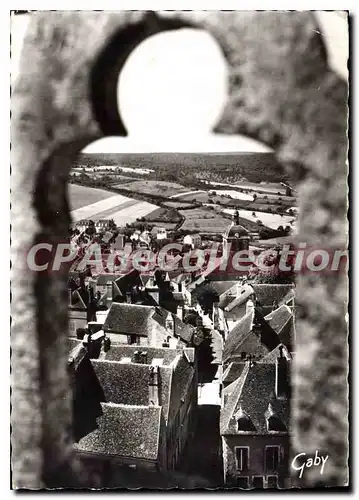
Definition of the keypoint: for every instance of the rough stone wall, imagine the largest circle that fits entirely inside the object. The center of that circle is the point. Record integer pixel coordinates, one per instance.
(282, 93)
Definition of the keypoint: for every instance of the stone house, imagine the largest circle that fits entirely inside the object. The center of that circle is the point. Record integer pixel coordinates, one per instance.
(134, 408)
(255, 426)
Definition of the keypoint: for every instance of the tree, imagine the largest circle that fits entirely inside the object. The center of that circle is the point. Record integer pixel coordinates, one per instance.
(206, 297)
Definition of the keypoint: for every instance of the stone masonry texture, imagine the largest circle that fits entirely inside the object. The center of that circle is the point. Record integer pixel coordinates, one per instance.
(282, 93)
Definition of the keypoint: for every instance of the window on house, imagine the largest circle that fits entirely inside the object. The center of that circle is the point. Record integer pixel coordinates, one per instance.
(242, 457)
(244, 423)
(275, 424)
(257, 482)
(132, 339)
(272, 458)
(243, 482)
(272, 482)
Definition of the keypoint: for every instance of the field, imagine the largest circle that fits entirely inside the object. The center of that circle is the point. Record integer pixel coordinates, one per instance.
(270, 220)
(81, 195)
(177, 204)
(204, 221)
(157, 188)
(160, 215)
(95, 204)
(218, 167)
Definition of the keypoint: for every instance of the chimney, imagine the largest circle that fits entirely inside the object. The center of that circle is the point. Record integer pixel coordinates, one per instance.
(249, 304)
(144, 358)
(128, 297)
(94, 327)
(281, 376)
(109, 294)
(170, 324)
(82, 280)
(215, 316)
(180, 312)
(153, 386)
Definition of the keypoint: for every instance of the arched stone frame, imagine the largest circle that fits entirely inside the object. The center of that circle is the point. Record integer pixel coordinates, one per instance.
(283, 93)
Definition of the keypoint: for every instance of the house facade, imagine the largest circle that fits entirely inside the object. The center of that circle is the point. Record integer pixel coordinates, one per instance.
(255, 426)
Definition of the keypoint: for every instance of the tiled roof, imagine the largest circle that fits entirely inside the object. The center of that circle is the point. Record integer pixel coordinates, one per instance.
(267, 294)
(288, 297)
(227, 294)
(77, 352)
(253, 392)
(128, 318)
(74, 343)
(79, 300)
(244, 338)
(216, 346)
(103, 279)
(182, 330)
(272, 356)
(127, 431)
(231, 399)
(287, 334)
(123, 383)
(232, 372)
(237, 335)
(181, 379)
(278, 318)
(128, 280)
(118, 351)
(243, 295)
(181, 278)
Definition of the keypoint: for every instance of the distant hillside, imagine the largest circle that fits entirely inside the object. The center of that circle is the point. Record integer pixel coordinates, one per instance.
(255, 167)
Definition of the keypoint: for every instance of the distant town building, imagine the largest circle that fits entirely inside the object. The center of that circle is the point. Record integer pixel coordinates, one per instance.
(236, 238)
(192, 240)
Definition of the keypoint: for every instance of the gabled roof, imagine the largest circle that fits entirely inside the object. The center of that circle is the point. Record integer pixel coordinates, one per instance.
(243, 294)
(123, 383)
(79, 300)
(278, 318)
(245, 338)
(237, 335)
(272, 356)
(122, 422)
(126, 431)
(288, 297)
(120, 351)
(266, 294)
(129, 280)
(252, 393)
(103, 279)
(181, 278)
(233, 371)
(182, 330)
(128, 319)
(231, 401)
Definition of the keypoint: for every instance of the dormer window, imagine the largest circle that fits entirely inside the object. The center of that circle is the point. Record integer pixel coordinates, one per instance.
(244, 423)
(274, 423)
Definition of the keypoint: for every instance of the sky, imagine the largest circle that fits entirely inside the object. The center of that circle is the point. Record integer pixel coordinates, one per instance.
(185, 91)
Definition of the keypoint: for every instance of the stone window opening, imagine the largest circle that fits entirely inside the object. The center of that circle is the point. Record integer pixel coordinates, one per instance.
(64, 100)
